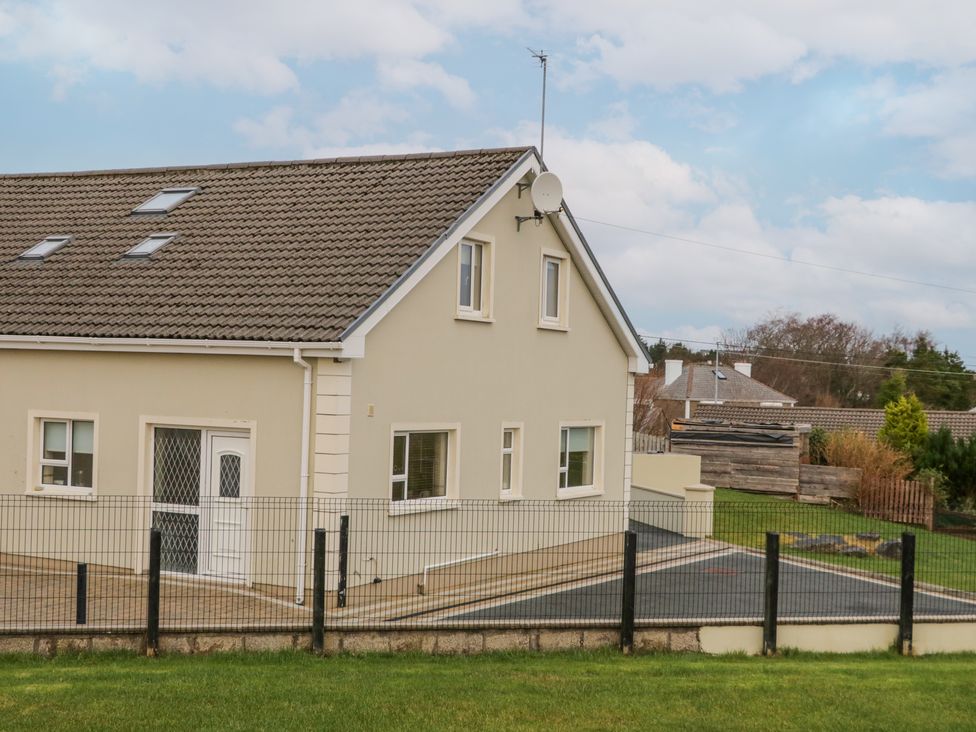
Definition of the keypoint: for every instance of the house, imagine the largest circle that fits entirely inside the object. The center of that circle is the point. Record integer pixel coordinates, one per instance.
(833, 419)
(685, 387)
(364, 328)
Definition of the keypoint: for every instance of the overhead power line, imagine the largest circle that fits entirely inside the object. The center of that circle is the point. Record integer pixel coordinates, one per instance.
(732, 348)
(780, 258)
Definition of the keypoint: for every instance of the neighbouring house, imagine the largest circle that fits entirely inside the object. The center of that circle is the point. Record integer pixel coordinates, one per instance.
(832, 419)
(685, 387)
(376, 327)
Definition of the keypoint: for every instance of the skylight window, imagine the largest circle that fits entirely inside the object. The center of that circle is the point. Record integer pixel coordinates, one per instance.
(150, 245)
(165, 201)
(42, 249)
(720, 375)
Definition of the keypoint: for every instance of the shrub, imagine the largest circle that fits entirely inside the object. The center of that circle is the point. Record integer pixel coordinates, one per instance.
(955, 459)
(905, 425)
(818, 446)
(877, 461)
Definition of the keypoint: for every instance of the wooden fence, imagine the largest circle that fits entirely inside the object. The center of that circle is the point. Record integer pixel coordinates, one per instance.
(903, 501)
(645, 443)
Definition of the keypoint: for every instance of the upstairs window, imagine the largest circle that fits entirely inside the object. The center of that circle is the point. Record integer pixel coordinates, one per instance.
(554, 286)
(48, 246)
(165, 201)
(474, 279)
(151, 244)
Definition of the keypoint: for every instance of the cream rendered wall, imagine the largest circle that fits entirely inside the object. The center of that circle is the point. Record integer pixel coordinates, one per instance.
(120, 387)
(424, 366)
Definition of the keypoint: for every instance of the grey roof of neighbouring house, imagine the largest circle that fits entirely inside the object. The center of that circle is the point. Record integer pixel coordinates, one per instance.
(697, 383)
(868, 421)
(266, 251)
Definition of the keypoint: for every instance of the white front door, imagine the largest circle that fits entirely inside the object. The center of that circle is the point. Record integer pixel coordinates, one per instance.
(227, 538)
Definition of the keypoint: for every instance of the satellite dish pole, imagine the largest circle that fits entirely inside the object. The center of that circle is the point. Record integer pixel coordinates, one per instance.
(544, 62)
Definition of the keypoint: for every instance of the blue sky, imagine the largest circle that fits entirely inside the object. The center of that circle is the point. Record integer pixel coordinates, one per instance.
(835, 132)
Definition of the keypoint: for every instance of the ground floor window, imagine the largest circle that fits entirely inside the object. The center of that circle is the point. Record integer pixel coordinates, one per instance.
(67, 454)
(420, 465)
(577, 457)
(511, 484)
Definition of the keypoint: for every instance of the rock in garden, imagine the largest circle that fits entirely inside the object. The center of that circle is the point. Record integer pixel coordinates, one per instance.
(889, 549)
(869, 536)
(853, 551)
(828, 544)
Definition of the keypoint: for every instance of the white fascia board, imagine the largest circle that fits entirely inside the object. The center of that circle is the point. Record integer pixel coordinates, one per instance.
(174, 345)
(586, 264)
(528, 163)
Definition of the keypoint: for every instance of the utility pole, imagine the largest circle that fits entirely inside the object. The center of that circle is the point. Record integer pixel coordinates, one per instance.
(544, 62)
(716, 372)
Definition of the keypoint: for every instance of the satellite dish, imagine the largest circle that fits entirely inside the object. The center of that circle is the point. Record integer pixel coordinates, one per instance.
(547, 193)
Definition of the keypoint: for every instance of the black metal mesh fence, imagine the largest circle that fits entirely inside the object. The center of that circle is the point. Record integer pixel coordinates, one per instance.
(231, 564)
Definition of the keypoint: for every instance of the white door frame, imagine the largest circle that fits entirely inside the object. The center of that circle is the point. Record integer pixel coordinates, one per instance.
(226, 427)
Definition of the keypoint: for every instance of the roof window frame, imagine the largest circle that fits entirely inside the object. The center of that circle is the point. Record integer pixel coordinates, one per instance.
(166, 236)
(190, 191)
(61, 239)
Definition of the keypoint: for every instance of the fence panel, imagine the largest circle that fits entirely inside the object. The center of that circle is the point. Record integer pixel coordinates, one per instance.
(905, 501)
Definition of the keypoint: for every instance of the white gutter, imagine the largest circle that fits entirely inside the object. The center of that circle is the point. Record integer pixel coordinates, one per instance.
(422, 587)
(177, 345)
(300, 539)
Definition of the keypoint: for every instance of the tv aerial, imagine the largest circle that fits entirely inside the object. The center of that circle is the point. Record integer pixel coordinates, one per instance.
(546, 191)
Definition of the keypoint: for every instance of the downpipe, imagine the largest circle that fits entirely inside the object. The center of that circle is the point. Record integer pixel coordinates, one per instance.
(303, 479)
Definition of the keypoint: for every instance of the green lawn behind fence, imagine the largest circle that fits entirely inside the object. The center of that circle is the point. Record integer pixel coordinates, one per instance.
(743, 518)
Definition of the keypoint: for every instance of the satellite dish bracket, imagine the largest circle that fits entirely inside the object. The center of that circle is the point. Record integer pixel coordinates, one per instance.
(537, 216)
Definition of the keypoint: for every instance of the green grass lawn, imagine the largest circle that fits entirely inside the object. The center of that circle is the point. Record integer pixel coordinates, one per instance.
(591, 691)
(743, 518)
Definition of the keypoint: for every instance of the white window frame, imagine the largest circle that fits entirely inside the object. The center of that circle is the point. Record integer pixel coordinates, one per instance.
(36, 460)
(163, 239)
(187, 191)
(485, 313)
(597, 487)
(451, 489)
(515, 491)
(561, 321)
(56, 242)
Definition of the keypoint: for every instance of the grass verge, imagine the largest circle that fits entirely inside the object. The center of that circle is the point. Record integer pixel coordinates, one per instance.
(587, 691)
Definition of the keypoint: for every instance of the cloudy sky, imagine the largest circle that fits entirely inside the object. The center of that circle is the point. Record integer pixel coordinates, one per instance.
(833, 132)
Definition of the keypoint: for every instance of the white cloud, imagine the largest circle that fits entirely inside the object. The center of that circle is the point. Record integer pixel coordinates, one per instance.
(410, 74)
(358, 116)
(721, 45)
(942, 111)
(665, 281)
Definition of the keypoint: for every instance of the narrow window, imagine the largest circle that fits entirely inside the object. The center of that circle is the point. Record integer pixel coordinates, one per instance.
(471, 277)
(44, 248)
(551, 289)
(576, 455)
(419, 465)
(508, 447)
(67, 453)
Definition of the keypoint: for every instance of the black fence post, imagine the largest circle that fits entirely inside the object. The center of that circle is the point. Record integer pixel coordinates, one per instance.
(81, 595)
(318, 592)
(152, 611)
(629, 592)
(907, 609)
(771, 594)
(343, 559)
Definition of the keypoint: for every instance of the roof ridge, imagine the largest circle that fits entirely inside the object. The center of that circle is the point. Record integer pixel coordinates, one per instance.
(275, 163)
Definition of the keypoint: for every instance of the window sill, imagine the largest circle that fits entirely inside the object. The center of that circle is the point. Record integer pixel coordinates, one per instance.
(78, 494)
(543, 325)
(565, 494)
(473, 318)
(509, 499)
(420, 505)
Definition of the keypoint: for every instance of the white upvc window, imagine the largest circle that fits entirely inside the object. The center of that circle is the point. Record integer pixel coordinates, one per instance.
(474, 280)
(580, 460)
(554, 291)
(511, 478)
(63, 455)
(423, 464)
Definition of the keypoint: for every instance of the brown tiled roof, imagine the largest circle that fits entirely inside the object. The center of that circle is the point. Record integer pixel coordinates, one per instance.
(266, 251)
(869, 421)
(697, 383)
